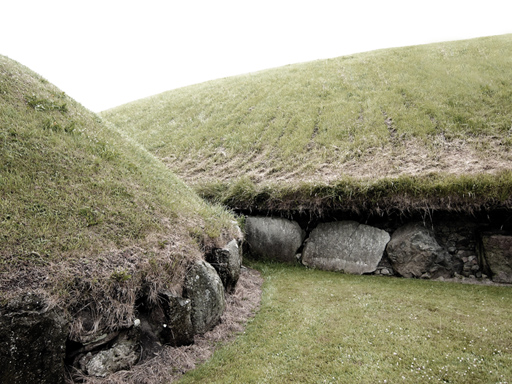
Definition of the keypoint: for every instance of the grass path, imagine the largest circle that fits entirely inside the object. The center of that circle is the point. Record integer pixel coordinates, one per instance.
(325, 327)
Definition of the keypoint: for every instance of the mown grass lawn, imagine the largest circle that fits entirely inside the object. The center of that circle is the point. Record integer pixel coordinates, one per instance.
(326, 327)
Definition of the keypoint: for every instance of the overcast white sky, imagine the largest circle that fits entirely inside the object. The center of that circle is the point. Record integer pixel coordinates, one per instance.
(105, 53)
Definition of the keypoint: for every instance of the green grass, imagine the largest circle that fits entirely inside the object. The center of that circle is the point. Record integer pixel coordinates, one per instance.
(407, 113)
(78, 198)
(440, 108)
(324, 327)
(423, 193)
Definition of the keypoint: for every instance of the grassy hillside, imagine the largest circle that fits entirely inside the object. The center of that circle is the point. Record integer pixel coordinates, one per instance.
(334, 129)
(83, 209)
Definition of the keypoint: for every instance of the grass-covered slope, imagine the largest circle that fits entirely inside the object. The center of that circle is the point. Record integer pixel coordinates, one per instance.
(418, 125)
(83, 208)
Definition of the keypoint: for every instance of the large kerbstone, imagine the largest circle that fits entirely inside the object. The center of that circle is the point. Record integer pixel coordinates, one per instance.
(274, 238)
(414, 252)
(227, 262)
(497, 251)
(32, 342)
(345, 246)
(204, 288)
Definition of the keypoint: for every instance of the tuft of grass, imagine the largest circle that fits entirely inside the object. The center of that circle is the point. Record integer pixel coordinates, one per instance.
(316, 326)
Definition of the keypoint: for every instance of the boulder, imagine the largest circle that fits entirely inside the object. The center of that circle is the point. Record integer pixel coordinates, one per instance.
(227, 262)
(274, 238)
(204, 288)
(168, 321)
(345, 246)
(497, 256)
(122, 355)
(32, 342)
(175, 326)
(414, 252)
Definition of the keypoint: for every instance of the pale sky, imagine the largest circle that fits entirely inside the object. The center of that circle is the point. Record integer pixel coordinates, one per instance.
(105, 53)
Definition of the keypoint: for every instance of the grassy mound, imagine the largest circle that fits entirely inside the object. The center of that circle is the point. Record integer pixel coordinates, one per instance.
(84, 211)
(317, 134)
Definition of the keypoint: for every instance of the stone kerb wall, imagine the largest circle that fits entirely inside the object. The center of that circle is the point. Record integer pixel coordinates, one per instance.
(452, 247)
(36, 345)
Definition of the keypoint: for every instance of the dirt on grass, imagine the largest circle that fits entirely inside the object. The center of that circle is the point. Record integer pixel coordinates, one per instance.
(171, 363)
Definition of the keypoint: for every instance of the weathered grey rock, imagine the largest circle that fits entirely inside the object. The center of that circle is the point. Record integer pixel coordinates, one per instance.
(345, 246)
(122, 355)
(168, 322)
(32, 342)
(497, 253)
(227, 262)
(274, 238)
(414, 252)
(204, 288)
(176, 326)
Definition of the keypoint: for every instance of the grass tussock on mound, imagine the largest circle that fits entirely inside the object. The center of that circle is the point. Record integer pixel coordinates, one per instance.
(391, 114)
(84, 211)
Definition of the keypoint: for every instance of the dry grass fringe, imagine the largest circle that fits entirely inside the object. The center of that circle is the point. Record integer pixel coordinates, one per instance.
(99, 293)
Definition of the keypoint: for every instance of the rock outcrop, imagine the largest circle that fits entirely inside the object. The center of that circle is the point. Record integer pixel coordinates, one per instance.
(172, 320)
(345, 246)
(496, 255)
(32, 342)
(414, 252)
(274, 238)
(205, 290)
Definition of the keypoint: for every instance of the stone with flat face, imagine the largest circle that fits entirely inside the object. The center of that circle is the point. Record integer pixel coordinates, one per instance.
(345, 246)
(204, 288)
(273, 238)
(227, 262)
(32, 341)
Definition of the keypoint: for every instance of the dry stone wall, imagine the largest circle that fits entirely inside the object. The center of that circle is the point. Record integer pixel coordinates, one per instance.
(36, 345)
(450, 246)
(496, 256)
